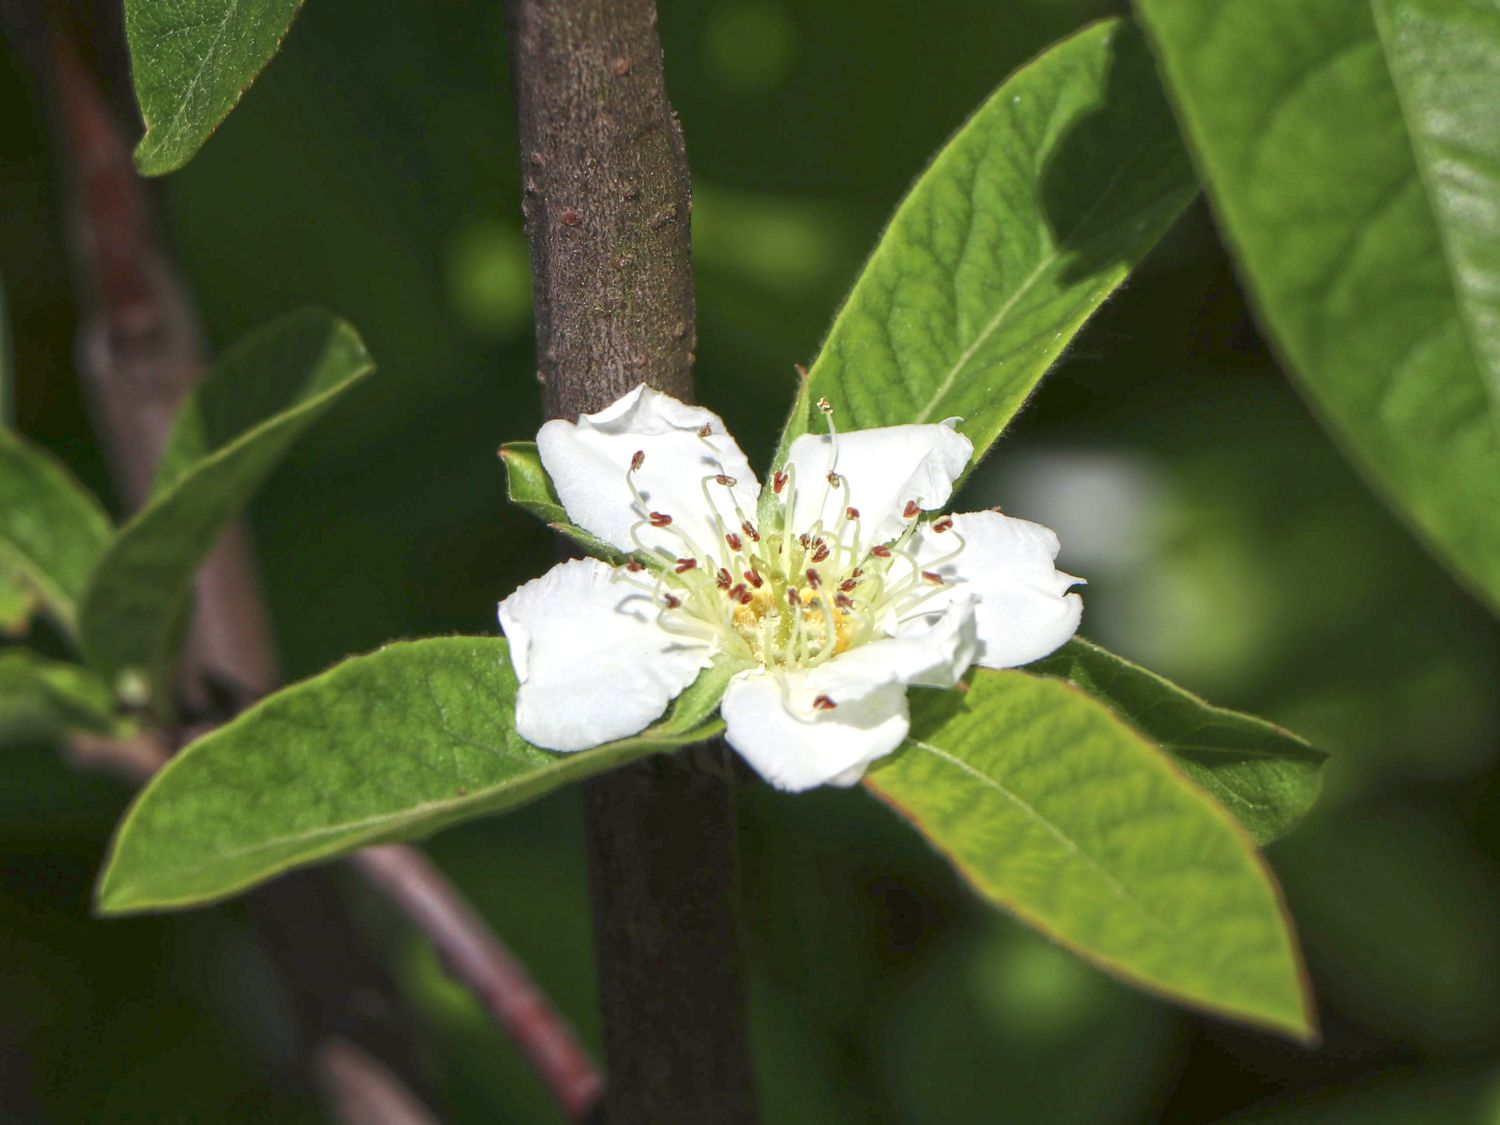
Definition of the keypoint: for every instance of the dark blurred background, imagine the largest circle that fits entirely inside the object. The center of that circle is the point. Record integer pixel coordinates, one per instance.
(372, 169)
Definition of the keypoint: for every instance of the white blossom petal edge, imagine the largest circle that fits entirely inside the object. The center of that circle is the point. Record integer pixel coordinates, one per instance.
(840, 601)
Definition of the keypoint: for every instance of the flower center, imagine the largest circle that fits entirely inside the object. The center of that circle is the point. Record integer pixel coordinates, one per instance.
(786, 597)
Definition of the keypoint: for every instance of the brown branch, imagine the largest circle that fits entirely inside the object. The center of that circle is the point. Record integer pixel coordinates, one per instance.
(477, 959)
(141, 354)
(607, 199)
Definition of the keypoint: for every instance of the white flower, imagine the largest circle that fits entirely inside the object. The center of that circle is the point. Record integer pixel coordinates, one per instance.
(832, 597)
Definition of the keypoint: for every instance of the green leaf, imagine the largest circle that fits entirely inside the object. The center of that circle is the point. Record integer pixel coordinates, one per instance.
(52, 532)
(191, 61)
(1055, 810)
(1355, 169)
(41, 699)
(228, 437)
(389, 746)
(1021, 227)
(529, 487)
(1266, 776)
(18, 600)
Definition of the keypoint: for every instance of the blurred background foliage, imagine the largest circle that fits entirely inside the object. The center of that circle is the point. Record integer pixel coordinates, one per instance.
(373, 170)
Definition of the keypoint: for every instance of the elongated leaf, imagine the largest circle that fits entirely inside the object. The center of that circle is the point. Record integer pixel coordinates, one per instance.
(1057, 811)
(1355, 167)
(1266, 776)
(227, 439)
(52, 532)
(528, 486)
(1024, 223)
(389, 746)
(41, 699)
(191, 61)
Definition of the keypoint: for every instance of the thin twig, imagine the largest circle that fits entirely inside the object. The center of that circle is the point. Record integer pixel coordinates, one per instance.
(142, 354)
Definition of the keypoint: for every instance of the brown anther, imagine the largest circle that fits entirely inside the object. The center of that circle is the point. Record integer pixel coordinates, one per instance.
(635, 566)
(933, 576)
(778, 482)
(671, 602)
(804, 539)
(749, 529)
(726, 481)
(881, 552)
(570, 217)
(734, 541)
(851, 513)
(820, 552)
(793, 598)
(738, 592)
(912, 509)
(685, 565)
(705, 429)
(848, 584)
(825, 406)
(723, 579)
(812, 578)
(659, 519)
(944, 524)
(754, 579)
(637, 460)
(823, 703)
(746, 598)
(834, 478)
(843, 601)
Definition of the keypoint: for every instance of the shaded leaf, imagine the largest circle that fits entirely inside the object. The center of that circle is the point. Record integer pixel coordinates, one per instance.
(191, 60)
(228, 437)
(1355, 169)
(529, 487)
(1267, 776)
(41, 699)
(1024, 223)
(1055, 810)
(388, 746)
(52, 531)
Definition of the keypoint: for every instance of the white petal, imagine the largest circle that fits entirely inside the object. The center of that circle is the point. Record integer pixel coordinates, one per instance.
(592, 662)
(1023, 609)
(885, 468)
(588, 463)
(931, 650)
(793, 746)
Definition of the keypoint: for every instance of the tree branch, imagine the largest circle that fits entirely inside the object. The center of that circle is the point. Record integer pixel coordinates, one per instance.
(607, 204)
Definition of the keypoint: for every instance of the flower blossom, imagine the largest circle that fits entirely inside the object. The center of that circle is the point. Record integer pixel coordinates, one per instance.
(831, 592)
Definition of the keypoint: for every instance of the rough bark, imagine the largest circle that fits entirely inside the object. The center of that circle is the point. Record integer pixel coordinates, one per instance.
(607, 204)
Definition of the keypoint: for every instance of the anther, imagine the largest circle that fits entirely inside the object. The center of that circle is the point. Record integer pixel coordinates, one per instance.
(843, 601)
(851, 513)
(685, 565)
(848, 584)
(823, 703)
(671, 602)
(812, 578)
(734, 541)
(754, 579)
(933, 576)
(855, 573)
(881, 552)
(912, 509)
(820, 552)
(793, 598)
(749, 529)
(833, 478)
(635, 566)
(944, 524)
(660, 519)
(723, 579)
(738, 592)
(778, 482)
(825, 406)
(637, 460)
(726, 480)
(705, 429)
(805, 540)
(746, 598)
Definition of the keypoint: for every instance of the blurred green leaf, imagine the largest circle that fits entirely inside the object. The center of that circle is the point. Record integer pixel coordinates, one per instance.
(388, 746)
(1355, 169)
(41, 698)
(18, 600)
(1266, 776)
(228, 437)
(191, 61)
(52, 532)
(1058, 812)
(1021, 227)
(529, 487)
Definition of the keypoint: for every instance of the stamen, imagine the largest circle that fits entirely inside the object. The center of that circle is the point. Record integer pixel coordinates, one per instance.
(754, 579)
(912, 509)
(723, 579)
(934, 577)
(726, 480)
(684, 565)
(834, 480)
(851, 513)
(635, 566)
(660, 519)
(812, 578)
(823, 703)
(820, 551)
(778, 482)
(843, 601)
(734, 541)
(848, 584)
(738, 592)
(671, 601)
(705, 430)
(825, 406)
(637, 460)
(746, 598)
(881, 552)
(749, 529)
(794, 599)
